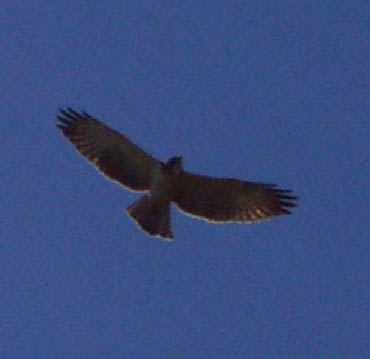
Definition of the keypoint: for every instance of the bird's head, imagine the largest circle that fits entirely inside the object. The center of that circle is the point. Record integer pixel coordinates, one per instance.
(173, 165)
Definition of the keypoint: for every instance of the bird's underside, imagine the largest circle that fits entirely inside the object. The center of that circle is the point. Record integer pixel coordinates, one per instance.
(217, 200)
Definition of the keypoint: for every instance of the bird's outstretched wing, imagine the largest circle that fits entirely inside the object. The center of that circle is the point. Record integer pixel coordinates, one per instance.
(111, 152)
(230, 200)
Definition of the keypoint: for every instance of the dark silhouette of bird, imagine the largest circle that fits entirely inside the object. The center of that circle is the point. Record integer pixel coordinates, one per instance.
(216, 200)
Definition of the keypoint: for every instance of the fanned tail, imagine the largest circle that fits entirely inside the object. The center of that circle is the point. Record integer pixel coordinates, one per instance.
(151, 216)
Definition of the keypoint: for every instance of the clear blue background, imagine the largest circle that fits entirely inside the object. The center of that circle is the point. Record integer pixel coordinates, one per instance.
(276, 91)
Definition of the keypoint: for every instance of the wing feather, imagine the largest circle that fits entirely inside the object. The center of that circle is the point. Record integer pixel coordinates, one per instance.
(230, 200)
(110, 151)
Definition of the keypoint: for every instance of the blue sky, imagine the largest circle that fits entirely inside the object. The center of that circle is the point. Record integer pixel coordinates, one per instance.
(267, 91)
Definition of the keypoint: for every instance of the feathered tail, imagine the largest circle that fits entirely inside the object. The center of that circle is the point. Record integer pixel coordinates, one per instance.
(151, 216)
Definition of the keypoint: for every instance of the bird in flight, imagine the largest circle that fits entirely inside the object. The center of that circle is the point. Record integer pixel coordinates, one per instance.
(216, 200)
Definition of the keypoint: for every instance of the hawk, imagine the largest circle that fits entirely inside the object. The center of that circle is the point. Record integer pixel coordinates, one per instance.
(217, 200)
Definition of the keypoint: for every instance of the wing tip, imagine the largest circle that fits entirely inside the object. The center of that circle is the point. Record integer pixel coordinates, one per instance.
(285, 197)
(67, 116)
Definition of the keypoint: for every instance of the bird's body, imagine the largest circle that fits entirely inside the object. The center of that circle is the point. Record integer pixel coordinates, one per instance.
(152, 211)
(214, 199)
